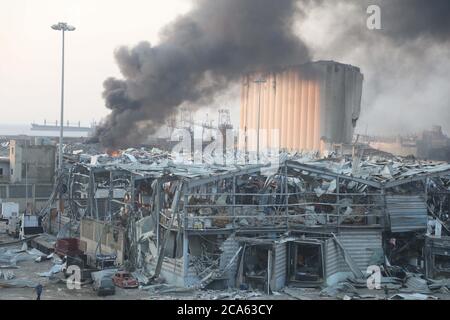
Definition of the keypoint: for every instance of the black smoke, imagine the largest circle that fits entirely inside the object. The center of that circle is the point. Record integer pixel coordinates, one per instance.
(406, 63)
(406, 20)
(198, 56)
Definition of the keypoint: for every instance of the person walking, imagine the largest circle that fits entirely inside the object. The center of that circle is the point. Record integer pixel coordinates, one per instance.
(39, 289)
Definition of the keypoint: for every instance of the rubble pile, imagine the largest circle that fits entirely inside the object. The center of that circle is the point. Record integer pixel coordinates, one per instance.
(185, 228)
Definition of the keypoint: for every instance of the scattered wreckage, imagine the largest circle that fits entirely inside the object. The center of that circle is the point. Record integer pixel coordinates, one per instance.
(125, 280)
(304, 223)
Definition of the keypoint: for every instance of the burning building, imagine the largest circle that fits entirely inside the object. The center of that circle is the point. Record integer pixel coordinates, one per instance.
(301, 108)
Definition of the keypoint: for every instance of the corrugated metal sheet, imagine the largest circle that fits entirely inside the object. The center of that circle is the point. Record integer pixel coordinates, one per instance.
(360, 245)
(229, 248)
(280, 265)
(332, 257)
(3, 194)
(406, 213)
(305, 103)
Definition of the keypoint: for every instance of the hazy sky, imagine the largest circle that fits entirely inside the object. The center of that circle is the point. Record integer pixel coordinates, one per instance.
(30, 52)
(30, 60)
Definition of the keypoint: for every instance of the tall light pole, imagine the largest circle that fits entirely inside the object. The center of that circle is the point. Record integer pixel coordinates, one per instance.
(63, 27)
(259, 81)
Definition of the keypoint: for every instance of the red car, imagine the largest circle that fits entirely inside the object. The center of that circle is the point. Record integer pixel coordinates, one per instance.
(125, 280)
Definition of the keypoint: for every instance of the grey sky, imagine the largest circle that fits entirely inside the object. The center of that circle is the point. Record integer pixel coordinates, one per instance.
(30, 52)
(30, 61)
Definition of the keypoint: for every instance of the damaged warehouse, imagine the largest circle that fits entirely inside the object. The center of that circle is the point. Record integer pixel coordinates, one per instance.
(226, 150)
(311, 223)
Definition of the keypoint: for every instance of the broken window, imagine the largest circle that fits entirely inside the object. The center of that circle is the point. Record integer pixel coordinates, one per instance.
(306, 263)
(255, 266)
(442, 266)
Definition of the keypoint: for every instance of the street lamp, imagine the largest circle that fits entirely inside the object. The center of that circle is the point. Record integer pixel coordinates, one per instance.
(259, 81)
(63, 27)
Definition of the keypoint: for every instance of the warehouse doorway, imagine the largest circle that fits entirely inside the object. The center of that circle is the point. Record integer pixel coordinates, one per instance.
(306, 264)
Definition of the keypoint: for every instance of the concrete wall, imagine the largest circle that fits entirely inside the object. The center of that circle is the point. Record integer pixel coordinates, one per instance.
(38, 194)
(172, 272)
(360, 244)
(91, 231)
(309, 105)
(39, 158)
(395, 148)
(4, 170)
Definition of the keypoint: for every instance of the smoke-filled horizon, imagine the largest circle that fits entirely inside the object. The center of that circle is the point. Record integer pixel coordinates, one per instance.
(406, 64)
(202, 53)
(198, 56)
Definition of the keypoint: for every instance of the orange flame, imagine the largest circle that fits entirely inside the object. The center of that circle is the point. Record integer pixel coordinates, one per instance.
(114, 153)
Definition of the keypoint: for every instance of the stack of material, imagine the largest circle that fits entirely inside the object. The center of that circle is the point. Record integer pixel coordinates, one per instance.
(17, 283)
(415, 284)
(341, 288)
(442, 286)
(389, 283)
(7, 275)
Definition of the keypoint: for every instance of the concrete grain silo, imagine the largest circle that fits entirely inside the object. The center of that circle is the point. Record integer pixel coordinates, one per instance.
(301, 108)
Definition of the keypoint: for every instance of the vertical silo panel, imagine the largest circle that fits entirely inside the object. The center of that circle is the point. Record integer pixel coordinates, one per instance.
(354, 110)
(358, 87)
(251, 101)
(264, 106)
(341, 93)
(294, 114)
(244, 102)
(273, 110)
(278, 105)
(331, 103)
(250, 114)
(269, 115)
(261, 95)
(304, 111)
(297, 112)
(255, 105)
(284, 110)
(303, 115)
(286, 123)
(311, 111)
(291, 108)
(263, 126)
(289, 103)
(254, 115)
(347, 127)
(353, 105)
(243, 116)
(280, 91)
(326, 113)
(337, 104)
(317, 115)
(267, 110)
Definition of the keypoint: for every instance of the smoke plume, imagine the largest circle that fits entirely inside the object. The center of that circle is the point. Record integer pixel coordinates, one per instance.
(406, 63)
(198, 56)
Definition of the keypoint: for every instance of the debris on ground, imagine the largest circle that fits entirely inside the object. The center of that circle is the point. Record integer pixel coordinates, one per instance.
(338, 289)
(412, 296)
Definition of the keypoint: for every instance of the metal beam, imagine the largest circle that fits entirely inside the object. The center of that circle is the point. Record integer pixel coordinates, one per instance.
(328, 174)
(161, 254)
(201, 181)
(415, 178)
